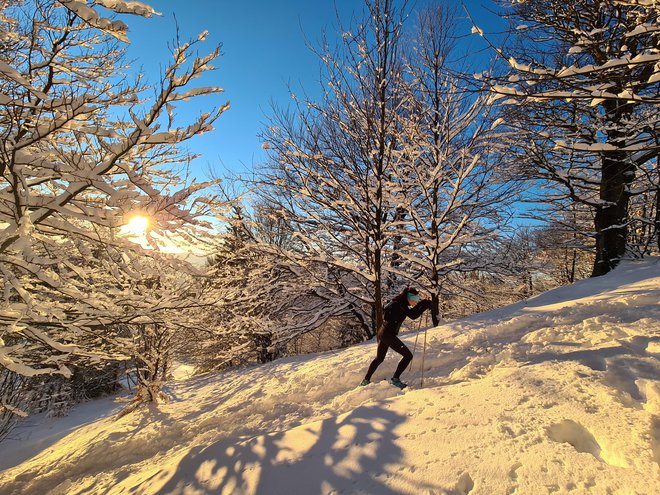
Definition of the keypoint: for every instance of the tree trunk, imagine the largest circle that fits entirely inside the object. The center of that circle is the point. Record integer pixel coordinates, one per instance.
(435, 299)
(571, 277)
(657, 204)
(378, 292)
(612, 216)
(395, 263)
(435, 309)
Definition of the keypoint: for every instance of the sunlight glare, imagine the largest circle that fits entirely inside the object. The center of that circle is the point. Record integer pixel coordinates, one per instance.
(137, 225)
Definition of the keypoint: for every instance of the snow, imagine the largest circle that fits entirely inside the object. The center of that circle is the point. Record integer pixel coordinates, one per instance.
(655, 77)
(136, 8)
(13, 74)
(556, 394)
(117, 29)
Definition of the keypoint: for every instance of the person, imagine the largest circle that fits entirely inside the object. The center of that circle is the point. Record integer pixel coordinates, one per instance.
(407, 304)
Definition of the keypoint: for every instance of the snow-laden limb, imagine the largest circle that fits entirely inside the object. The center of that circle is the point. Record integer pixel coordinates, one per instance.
(13, 74)
(121, 7)
(639, 3)
(191, 93)
(655, 77)
(118, 29)
(17, 367)
(115, 28)
(13, 410)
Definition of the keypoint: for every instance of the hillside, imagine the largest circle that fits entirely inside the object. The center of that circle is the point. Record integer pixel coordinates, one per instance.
(557, 394)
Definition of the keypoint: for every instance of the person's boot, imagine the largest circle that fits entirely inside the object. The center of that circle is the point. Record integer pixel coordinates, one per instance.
(398, 383)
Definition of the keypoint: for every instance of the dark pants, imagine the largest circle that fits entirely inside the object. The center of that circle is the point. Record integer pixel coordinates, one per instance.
(390, 341)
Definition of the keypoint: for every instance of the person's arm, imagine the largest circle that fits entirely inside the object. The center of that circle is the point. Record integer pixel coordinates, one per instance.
(387, 312)
(419, 308)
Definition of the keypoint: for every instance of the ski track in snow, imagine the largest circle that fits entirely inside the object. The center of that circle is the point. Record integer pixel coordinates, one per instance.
(556, 394)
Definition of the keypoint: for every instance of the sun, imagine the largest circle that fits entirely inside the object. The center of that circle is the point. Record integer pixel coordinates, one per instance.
(136, 225)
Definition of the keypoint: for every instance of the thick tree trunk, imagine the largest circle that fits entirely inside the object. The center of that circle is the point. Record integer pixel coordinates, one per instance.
(612, 216)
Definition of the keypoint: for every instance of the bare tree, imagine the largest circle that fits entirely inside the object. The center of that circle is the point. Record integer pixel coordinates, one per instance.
(332, 161)
(455, 200)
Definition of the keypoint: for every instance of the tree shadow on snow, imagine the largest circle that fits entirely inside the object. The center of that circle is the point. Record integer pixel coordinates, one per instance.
(335, 454)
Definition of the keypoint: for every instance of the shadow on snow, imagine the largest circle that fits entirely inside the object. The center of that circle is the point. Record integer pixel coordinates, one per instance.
(333, 454)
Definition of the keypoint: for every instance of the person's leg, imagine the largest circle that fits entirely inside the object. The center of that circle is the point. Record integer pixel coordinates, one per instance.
(396, 344)
(380, 357)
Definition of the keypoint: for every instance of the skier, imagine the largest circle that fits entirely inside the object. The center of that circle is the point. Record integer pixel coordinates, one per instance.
(406, 304)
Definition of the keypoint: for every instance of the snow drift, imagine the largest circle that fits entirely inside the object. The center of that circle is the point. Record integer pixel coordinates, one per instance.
(557, 394)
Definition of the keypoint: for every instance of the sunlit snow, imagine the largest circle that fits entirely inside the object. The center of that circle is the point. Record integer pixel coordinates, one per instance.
(556, 394)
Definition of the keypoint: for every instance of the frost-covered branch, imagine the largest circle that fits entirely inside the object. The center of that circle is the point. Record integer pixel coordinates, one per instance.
(81, 149)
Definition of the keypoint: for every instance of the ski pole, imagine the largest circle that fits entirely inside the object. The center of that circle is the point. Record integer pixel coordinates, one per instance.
(421, 383)
(415, 346)
(419, 324)
(426, 327)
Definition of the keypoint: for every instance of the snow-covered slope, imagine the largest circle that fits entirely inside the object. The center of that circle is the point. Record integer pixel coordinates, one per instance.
(559, 394)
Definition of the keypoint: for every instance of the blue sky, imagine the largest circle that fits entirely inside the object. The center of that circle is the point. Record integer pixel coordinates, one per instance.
(264, 47)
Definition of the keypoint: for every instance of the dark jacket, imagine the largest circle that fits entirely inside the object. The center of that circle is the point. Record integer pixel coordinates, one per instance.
(397, 311)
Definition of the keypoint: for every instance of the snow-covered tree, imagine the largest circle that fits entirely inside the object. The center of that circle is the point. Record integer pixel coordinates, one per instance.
(266, 295)
(455, 201)
(564, 252)
(332, 161)
(82, 147)
(583, 87)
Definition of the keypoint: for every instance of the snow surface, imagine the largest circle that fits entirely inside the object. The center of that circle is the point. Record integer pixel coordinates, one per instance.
(557, 394)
